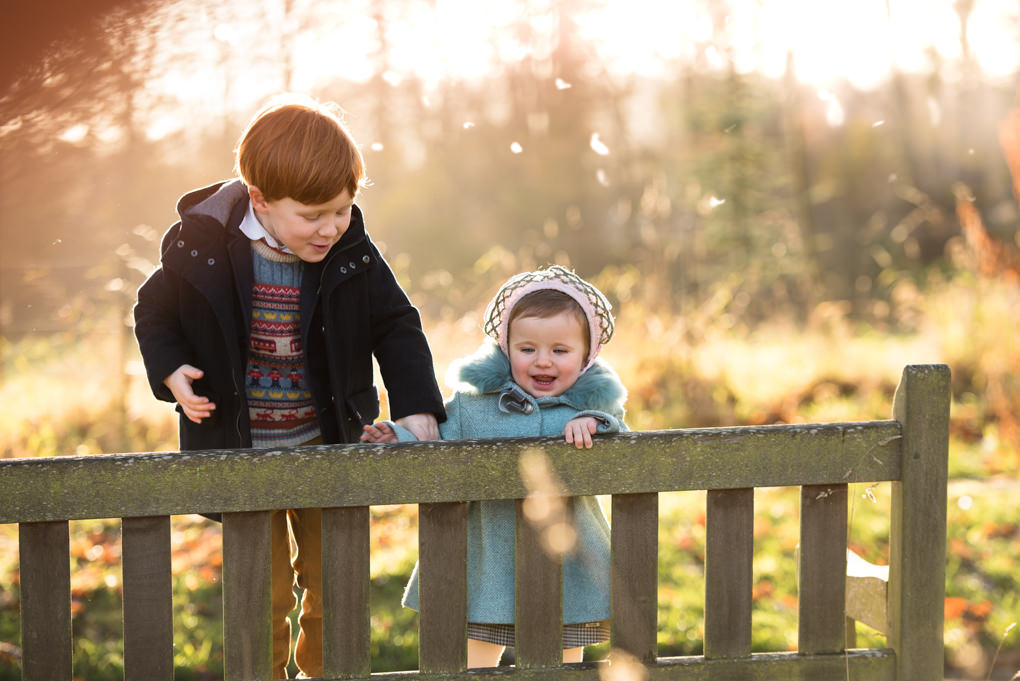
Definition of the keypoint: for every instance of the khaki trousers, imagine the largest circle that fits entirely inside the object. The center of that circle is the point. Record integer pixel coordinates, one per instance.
(302, 529)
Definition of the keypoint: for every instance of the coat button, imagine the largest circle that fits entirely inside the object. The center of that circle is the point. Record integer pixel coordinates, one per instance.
(194, 253)
(211, 261)
(180, 243)
(343, 270)
(352, 265)
(365, 259)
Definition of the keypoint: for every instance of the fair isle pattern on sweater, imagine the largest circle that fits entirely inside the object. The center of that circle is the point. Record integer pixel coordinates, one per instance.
(280, 404)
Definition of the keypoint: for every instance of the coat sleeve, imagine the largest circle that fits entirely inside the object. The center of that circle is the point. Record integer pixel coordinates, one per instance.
(448, 430)
(401, 349)
(161, 340)
(608, 423)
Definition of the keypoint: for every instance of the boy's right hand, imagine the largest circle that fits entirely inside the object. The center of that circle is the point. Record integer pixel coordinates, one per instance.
(379, 432)
(195, 407)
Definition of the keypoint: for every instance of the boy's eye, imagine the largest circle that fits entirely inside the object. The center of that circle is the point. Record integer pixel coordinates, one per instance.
(313, 217)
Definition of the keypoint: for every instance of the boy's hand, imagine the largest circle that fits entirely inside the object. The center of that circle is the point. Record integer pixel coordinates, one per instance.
(424, 426)
(195, 407)
(380, 432)
(579, 431)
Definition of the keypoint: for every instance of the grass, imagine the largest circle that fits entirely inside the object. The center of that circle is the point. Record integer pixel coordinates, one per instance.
(60, 399)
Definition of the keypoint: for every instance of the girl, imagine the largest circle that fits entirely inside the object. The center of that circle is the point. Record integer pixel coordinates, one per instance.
(538, 375)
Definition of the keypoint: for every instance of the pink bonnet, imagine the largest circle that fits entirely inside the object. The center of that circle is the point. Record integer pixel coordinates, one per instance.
(596, 308)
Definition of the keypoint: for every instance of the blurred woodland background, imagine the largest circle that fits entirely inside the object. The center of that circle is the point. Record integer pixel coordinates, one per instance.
(786, 201)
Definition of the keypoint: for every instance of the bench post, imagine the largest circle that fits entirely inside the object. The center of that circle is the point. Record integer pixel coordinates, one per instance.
(45, 570)
(917, 533)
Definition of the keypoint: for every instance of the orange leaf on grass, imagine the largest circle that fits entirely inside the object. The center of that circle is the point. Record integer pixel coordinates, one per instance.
(955, 607)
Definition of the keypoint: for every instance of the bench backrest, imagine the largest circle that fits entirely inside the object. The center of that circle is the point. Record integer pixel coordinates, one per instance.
(146, 489)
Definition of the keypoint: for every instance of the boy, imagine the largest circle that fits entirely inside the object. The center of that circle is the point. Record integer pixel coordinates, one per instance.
(262, 320)
(537, 376)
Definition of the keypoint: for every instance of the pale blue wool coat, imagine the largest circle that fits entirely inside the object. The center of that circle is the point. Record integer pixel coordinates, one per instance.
(473, 412)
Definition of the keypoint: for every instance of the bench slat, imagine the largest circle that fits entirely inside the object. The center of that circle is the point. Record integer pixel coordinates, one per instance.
(112, 486)
(346, 620)
(442, 554)
(873, 665)
(635, 574)
(148, 599)
(247, 608)
(821, 624)
(729, 544)
(538, 590)
(867, 594)
(44, 551)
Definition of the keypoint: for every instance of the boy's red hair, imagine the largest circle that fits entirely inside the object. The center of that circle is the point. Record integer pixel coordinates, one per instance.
(300, 149)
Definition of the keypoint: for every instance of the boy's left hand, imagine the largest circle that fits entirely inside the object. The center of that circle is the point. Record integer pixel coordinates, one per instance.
(579, 431)
(424, 426)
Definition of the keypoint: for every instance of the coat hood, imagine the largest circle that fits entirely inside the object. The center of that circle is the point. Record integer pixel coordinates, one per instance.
(216, 201)
(487, 370)
(221, 203)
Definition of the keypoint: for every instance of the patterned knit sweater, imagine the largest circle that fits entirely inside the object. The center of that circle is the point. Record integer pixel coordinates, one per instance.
(279, 403)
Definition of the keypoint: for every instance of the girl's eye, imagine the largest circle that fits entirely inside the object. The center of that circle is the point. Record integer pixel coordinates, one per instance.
(312, 218)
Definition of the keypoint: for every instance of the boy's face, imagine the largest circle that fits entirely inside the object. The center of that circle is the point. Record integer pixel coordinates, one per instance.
(308, 231)
(546, 353)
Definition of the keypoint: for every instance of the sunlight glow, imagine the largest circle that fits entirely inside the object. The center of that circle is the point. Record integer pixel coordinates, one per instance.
(75, 134)
(834, 113)
(222, 54)
(855, 40)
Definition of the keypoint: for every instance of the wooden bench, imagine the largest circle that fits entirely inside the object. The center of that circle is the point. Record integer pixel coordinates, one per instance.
(41, 495)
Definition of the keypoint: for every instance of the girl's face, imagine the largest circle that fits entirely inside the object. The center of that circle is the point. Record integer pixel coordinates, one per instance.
(546, 353)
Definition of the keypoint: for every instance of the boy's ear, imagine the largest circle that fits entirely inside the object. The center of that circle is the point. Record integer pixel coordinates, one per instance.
(258, 199)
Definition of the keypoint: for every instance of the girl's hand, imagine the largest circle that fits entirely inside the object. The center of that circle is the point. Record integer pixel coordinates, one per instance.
(195, 407)
(379, 432)
(578, 431)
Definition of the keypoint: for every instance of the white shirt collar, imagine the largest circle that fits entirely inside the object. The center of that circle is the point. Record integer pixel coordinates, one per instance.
(253, 229)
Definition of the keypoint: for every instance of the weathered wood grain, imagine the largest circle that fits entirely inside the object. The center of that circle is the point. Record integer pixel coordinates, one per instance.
(247, 609)
(442, 624)
(729, 548)
(45, 570)
(148, 594)
(538, 591)
(917, 532)
(60, 488)
(821, 626)
(873, 665)
(635, 574)
(346, 616)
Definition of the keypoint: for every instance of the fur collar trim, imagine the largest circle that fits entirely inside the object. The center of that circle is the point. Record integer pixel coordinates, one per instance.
(487, 370)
